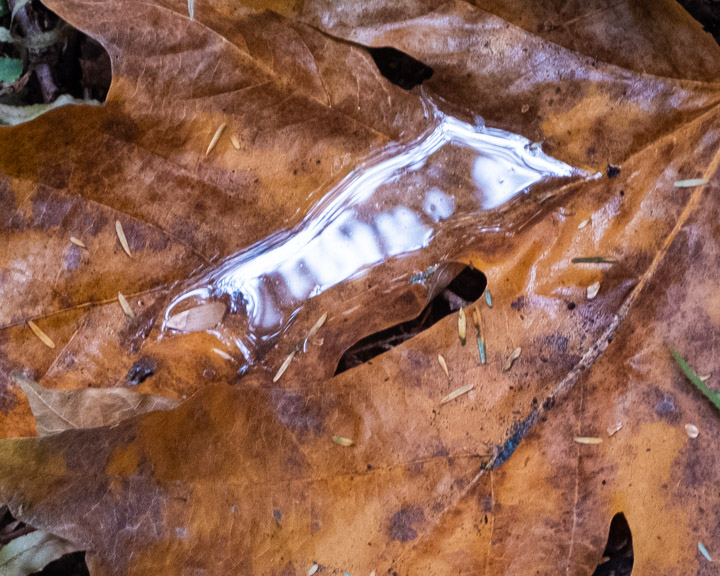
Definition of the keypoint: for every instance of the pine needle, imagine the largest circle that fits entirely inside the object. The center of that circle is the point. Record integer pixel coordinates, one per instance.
(78, 242)
(443, 365)
(462, 327)
(587, 440)
(455, 393)
(122, 238)
(594, 260)
(316, 326)
(710, 394)
(215, 138)
(222, 354)
(44, 338)
(284, 366)
(125, 305)
(690, 183)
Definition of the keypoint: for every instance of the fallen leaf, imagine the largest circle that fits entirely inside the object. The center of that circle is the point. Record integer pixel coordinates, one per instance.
(418, 486)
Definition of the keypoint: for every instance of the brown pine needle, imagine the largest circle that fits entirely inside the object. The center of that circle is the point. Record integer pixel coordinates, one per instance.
(125, 305)
(122, 238)
(462, 327)
(443, 365)
(44, 338)
(342, 441)
(215, 138)
(284, 366)
(316, 326)
(455, 393)
(511, 359)
(77, 242)
(587, 440)
(235, 141)
(222, 354)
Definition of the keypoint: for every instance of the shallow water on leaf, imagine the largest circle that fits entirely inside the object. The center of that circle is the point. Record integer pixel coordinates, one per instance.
(455, 182)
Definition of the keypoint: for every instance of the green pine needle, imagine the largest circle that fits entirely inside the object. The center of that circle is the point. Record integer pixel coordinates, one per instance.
(710, 394)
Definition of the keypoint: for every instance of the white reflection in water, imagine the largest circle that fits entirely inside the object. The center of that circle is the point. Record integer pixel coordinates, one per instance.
(373, 214)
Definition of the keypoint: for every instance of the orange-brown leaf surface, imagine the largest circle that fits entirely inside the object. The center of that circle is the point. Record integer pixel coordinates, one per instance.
(273, 463)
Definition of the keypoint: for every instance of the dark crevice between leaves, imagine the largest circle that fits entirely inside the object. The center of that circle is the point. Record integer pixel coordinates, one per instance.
(618, 557)
(465, 288)
(56, 59)
(67, 565)
(399, 68)
(707, 12)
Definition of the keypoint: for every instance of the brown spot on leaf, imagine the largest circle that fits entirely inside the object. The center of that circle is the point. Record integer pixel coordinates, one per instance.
(404, 523)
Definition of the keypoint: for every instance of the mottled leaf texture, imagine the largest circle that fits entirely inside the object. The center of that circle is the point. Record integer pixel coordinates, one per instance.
(247, 475)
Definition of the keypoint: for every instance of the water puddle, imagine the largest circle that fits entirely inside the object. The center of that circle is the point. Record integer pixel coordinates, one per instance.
(396, 203)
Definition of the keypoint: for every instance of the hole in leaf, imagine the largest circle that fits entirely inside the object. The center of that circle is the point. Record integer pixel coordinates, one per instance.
(618, 555)
(401, 69)
(56, 59)
(465, 288)
(69, 565)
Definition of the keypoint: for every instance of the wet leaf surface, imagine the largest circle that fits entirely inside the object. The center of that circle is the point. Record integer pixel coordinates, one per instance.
(248, 475)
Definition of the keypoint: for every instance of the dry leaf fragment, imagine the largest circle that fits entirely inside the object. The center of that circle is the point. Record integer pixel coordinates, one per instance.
(59, 410)
(199, 318)
(583, 223)
(593, 290)
(215, 138)
(125, 305)
(587, 440)
(443, 365)
(611, 430)
(342, 441)
(122, 238)
(511, 359)
(284, 366)
(236, 145)
(44, 338)
(455, 393)
(222, 354)
(462, 327)
(314, 568)
(690, 183)
(316, 326)
(692, 430)
(77, 242)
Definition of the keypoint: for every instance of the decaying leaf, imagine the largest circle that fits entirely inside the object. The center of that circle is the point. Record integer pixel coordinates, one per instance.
(199, 318)
(59, 410)
(422, 491)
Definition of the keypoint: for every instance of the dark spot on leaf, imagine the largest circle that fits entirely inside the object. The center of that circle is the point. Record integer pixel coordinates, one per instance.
(140, 371)
(404, 523)
(298, 412)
